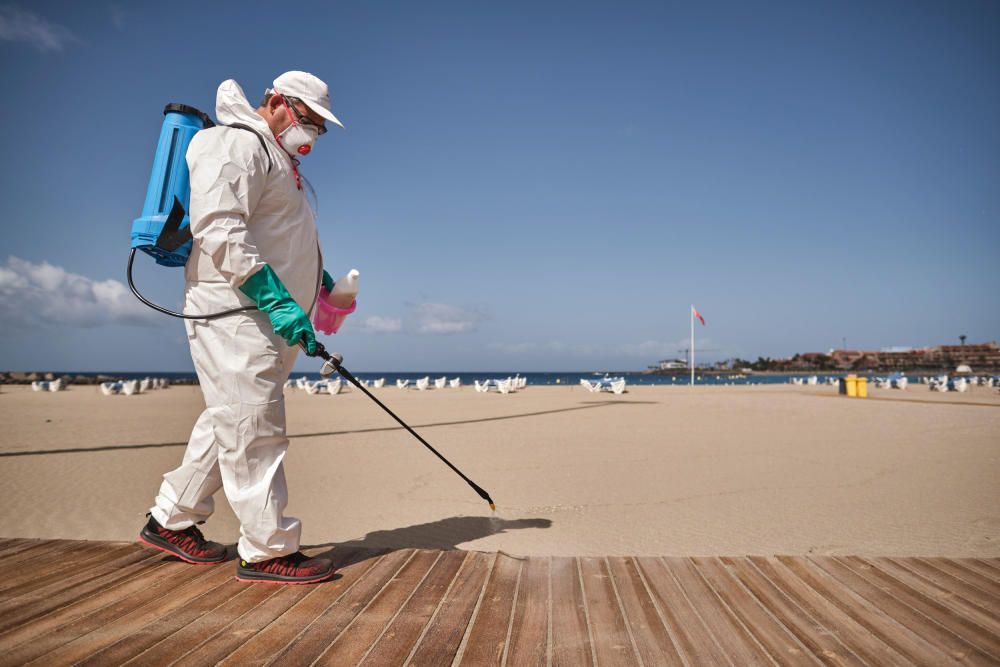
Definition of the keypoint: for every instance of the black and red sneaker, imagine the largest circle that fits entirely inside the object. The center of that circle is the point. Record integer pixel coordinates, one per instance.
(189, 544)
(296, 568)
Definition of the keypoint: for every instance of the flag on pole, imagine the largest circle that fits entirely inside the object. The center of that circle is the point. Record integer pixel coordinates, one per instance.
(698, 315)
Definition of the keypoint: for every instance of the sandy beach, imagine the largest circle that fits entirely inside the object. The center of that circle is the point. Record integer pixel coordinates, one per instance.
(660, 470)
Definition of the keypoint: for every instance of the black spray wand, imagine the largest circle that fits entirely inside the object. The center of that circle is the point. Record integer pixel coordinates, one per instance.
(333, 363)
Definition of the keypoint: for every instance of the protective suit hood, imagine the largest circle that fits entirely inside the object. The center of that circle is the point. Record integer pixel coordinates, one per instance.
(232, 106)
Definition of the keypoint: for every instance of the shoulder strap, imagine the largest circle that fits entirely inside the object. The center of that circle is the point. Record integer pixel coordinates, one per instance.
(263, 143)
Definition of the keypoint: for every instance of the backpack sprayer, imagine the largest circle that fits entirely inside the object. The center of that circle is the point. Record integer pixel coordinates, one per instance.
(163, 231)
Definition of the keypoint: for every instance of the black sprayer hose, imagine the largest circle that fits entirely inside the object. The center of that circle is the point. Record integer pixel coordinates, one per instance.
(336, 359)
(165, 311)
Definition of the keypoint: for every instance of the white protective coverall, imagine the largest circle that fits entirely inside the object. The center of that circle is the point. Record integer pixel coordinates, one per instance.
(242, 217)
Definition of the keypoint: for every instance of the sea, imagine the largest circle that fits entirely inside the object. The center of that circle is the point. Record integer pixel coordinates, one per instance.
(533, 378)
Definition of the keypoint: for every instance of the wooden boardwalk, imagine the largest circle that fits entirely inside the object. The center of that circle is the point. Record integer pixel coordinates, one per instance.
(101, 603)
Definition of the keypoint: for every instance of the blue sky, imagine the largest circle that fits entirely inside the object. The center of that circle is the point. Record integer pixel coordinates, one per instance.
(532, 186)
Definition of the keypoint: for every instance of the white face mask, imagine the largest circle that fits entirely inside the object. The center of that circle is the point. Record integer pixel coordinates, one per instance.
(297, 139)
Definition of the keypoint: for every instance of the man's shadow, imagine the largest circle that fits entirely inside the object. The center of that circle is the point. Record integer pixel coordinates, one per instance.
(444, 535)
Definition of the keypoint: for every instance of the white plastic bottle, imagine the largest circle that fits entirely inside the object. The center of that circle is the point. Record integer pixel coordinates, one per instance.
(345, 290)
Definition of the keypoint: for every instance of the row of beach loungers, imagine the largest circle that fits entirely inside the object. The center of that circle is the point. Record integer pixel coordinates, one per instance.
(131, 387)
(328, 386)
(613, 385)
(338, 385)
(960, 384)
(48, 385)
(425, 383)
(897, 381)
(507, 385)
(123, 387)
(941, 383)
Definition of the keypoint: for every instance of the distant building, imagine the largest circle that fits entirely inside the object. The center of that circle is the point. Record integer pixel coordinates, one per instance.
(982, 357)
(670, 365)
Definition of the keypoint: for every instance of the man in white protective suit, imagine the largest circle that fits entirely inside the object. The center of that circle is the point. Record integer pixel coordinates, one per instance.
(255, 243)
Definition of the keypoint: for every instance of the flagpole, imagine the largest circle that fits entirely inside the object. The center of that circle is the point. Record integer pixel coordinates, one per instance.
(692, 345)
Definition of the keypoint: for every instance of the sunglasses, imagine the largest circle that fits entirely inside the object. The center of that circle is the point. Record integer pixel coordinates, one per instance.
(301, 118)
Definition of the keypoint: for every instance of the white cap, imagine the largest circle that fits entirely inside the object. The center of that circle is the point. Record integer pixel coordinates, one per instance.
(308, 88)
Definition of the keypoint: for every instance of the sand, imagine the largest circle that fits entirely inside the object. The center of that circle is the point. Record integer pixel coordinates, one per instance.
(659, 470)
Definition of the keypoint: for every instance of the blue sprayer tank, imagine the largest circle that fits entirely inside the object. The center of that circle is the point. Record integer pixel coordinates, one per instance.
(169, 188)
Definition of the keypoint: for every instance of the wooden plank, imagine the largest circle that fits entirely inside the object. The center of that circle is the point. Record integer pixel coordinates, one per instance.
(37, 553)
(353, 642)
(652, 637)
(13, 544)
(528, 645)
(34, 564)
(313, 639)
(164, 621)
(22, 546)
(840, 624)
(41, 573)
(118, 603)
(613, 643)
(932, 620)
(821, 642)
(691, 635)
(75, 589)
(945, 582)
(781, 644)
(571, 643)
(991, 564)
(870, 615)
(488, 635)
(734, 639)
(351, 565)
(447, 627)
(395, 645)
(179, 643)
(126, 555)
(229, 638)
(63, 642)
(973, 578)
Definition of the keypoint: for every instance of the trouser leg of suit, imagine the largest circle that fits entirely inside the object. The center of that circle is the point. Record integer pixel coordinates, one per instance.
(185, 496)
(242, 367)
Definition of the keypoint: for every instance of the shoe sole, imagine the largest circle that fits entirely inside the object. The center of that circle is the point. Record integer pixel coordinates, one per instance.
(285, 580)
(166, 547)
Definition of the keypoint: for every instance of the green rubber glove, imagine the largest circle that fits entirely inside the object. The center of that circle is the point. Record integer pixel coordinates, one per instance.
(287, 317)
(327, 281)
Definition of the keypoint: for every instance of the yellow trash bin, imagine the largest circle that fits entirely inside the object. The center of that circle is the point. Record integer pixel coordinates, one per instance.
(862, 387)
(849, 386)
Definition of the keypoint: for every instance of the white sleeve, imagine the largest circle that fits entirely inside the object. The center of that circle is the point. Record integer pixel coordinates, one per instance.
(228, 177)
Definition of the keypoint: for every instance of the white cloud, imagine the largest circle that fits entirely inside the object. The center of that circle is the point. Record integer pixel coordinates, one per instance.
(440, 318)
(380, 325)
(47, 295)
(21, 25)
(421, 318)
